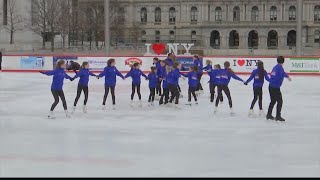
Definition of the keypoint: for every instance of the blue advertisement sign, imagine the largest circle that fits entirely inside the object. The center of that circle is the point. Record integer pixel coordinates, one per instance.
(65, 58)
(32, 62)
(186, 62)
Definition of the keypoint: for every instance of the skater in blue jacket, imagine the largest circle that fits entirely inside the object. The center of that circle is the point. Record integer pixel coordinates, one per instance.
(165, 95)
(259, 75)
(57, 87)
(277, 76)
(173, 83)
(225, 76)
(198, 63)
(83, 74)
(160, 71)
(135, 73)
(110, 73)
(193, 82)
(214, 81)
(170, 59)
(208, 66)
(153, 84)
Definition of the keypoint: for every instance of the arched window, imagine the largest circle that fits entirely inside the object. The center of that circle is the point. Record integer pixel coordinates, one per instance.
(121, 15)
(172, 15)
(291, 38)
(292, 13)
(317, 36)
(215, 39)
(273, 13)
(218, 14)
(234, 39)
(144, 15)
(157, 15)
(194, 15)
(157, 36)
(143, 36)
(272, 39)
(236, 13)
(317, 13)
(193, 36)
(253, 39)
(254, 13)
(172, 36)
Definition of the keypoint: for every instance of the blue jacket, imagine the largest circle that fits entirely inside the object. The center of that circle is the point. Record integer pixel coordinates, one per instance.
(208, 68)
(214, 76)
(169, 62)
(161, 71)
(157, 65)
(153, 80)
(135, 74)
(173, 77)
(84, 76)
(225, 77)
(198, 63)
(110, 73)
(165, 82)
(58, 77)
(277, 76)
(193, 80)
(257, 81)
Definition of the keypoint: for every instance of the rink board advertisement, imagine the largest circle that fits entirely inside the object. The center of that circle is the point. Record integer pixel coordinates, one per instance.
(305, 65)
(55, 59)
(32, 62)
(186, 62)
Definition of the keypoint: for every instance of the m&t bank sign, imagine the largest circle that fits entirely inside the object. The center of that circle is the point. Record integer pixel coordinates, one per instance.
(305, 65)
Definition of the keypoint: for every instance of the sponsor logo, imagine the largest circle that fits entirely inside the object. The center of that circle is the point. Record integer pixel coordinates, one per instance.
(245, 63)
(131, 61)
(305, 65)
(160, 48)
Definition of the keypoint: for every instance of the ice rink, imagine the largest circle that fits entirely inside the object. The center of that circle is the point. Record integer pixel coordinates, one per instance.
(159, 141)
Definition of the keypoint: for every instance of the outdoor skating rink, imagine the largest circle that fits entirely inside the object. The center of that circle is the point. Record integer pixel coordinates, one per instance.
(159, 141)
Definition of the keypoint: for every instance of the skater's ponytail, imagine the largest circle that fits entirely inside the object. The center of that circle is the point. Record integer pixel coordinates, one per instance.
(227, 66)
(60, 63)
(84, 64)
(110, 61)
(261, 70)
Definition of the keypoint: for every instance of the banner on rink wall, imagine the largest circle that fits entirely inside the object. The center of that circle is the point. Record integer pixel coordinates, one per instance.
(66, 58)
(32, 62)
(304, 65)
(186, 62)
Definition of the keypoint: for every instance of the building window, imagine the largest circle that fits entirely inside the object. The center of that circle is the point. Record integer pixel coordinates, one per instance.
(218, 14)
(234, 39)
(317, 13)
(292, 13)
(273, 13)
(194, 15)
(272, 39)
(172, 36)
(215, 39)
(253, 39)
(157, 36)
(236, 13)
(144, 15)
(172, 15)
(143, 36)
(157, 14)
(254, 13)
(121, 15)
(5, 12)
(317, 36)
(292, 38)
(193, 36)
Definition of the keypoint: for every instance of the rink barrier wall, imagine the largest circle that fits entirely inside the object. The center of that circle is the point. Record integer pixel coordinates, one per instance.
(240, 64)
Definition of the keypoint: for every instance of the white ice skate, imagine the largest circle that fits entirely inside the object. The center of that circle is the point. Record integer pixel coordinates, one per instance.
(73, 109)
(104, 107)
(252, 114)
(232, 112)
(189, 104)
(215, 110)
(176, 106)
(67, 114)
(140, 103)
(131, 104)
(262, 113)
(196, 103)
(152, 104)
(85, 109)
(114, 107)
(51, 115)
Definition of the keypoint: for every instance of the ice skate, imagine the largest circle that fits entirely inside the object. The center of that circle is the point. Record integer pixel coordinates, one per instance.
(279, 118)
(51, 115)
(232, 112)
(104, 107)
(252, 114)
(114, 107)
(140, 104)
(85, 109)
(73, 109)
(67, 114)
(189, 104)
(181, 96)
(176, 106)
(131, 104)
(270, 117)
(152, 104)
(262, 113)
(196, 103)
(215, 110)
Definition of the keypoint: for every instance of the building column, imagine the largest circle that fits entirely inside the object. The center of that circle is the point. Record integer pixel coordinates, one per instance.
(243, 42)
(224, 42)
(107, 27)
(282, 42)
(263, 42)
(299, 27)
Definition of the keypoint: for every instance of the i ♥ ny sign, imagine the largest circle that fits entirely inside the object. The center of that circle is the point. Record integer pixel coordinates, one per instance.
(160, 48)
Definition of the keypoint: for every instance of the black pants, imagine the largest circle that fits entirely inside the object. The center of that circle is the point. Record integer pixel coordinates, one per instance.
(276, 97)
(134, 87)
(152, 94)
(200, 88)
(0, 62)
(226, 90)
(192, 91)
(165, 96)
(106, 93)
(56, 95)
(175, 94)
(212, 92)
(159, 91)
(257, 91)
(85, 90)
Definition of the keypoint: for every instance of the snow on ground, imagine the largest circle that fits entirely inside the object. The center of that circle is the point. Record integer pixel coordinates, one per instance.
(158, 141)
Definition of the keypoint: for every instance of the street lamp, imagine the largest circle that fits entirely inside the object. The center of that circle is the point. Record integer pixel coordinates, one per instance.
(107, 27)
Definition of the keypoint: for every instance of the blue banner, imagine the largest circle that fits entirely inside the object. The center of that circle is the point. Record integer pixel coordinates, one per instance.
(186, 62)
(32, 62)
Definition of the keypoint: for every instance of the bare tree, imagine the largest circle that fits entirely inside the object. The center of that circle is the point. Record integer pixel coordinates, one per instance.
(15, 22)
(64, 20)
(39, 13)
(53, 15)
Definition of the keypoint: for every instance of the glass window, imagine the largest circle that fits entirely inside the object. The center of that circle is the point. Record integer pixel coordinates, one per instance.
(194, 14)
(273, 13)
(218, 14)
(254, 13)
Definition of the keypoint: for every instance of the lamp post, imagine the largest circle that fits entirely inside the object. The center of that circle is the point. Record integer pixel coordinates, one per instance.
(299, 27)
(107, 27)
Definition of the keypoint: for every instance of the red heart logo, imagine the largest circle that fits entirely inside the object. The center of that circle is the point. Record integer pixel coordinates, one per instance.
(241, 62)
(159, 48)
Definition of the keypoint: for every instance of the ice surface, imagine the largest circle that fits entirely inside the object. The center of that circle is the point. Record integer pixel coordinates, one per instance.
(155, 141)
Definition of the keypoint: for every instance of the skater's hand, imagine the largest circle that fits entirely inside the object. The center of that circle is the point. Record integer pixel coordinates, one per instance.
(72, 79)
(41, 72)
(147, 79)
(289, 79)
